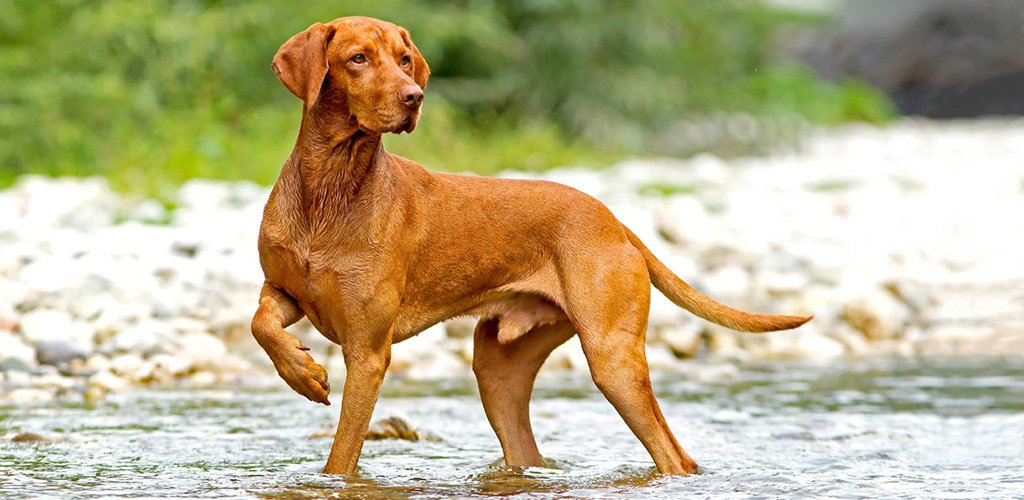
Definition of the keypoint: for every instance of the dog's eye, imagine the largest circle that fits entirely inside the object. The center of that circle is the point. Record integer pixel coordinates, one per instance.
(406, 60)
(358, 59)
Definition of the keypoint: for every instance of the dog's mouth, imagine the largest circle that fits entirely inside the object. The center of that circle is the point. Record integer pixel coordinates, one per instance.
(410, 123)
(388, 126)
(405, 122)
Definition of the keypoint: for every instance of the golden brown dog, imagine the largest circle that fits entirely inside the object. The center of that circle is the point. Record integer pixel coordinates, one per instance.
(374, 249)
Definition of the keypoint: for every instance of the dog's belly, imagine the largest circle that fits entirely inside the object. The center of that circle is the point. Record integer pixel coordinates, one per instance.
(519, 305)
(518, 314)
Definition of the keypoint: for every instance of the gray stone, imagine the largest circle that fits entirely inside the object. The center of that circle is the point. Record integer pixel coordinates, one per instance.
(788, 283)
(813, 345)
(15, 354)
(30, 394)
(169, 366)
(150, 211)
(682, 338)
(53, 381)
(727, 281)
(460, 327)
(204, 349)
(59, 352)
(108, 382)
(661, 358)
(45, 324)
(878, 315)
(147, 337)
(684, 221)
(130, 366)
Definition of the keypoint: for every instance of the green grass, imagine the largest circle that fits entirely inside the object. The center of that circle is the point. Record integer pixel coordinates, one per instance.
(662, 189)
(832, 185)
(444, 140)
(150, 94)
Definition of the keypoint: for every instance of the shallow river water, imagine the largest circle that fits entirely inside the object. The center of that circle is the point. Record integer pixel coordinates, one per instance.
(879, 429)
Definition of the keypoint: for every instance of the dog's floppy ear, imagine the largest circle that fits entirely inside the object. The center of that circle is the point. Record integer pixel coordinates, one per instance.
(301, 63)
(420, 70)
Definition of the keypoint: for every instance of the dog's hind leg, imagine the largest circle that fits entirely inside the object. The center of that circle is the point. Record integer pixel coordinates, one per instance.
(505, 374)
(609, 308)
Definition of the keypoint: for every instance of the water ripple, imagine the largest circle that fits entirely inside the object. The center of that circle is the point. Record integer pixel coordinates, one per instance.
(945, 428)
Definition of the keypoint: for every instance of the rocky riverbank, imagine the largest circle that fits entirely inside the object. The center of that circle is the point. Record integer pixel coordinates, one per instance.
(901, 241)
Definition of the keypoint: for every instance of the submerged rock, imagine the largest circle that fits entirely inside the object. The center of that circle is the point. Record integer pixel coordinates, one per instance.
(388, 428)
(32, 437)
(397, 428)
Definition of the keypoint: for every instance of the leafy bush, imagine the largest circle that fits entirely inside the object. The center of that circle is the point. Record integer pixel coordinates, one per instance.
(151, 93)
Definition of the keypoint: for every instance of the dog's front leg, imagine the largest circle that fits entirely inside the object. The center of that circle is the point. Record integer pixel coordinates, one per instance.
(365, 367)
(276, 312)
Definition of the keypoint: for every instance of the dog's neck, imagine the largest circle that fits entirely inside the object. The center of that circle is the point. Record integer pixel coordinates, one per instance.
(332, 161)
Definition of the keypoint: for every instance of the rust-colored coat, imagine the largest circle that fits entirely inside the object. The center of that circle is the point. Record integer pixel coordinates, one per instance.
(374, 249)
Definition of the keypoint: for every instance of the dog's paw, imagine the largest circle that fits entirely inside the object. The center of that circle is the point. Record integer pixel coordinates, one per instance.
(304, 375)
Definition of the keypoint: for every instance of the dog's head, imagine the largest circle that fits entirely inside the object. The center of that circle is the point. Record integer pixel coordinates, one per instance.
(364, 69)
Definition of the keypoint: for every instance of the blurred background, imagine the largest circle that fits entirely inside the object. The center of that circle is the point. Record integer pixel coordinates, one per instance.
(152, 93)
(859, 160)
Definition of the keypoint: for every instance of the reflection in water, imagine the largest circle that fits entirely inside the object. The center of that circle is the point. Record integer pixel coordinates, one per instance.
(493, 481)
(942, 428)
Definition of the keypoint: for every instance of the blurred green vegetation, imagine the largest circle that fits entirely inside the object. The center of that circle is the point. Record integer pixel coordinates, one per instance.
(150, 93)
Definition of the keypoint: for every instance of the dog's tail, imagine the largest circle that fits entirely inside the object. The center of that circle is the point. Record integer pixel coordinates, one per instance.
(689, 298)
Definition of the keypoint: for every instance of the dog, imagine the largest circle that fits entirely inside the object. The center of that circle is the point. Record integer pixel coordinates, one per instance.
(373, 249)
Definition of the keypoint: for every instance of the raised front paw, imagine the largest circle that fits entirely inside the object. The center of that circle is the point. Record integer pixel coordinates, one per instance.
(303, 375)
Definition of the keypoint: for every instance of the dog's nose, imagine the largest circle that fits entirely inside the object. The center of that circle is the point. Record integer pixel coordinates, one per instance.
(411, 96)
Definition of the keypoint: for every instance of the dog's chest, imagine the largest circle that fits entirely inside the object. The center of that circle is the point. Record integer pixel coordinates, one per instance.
(324, 281)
